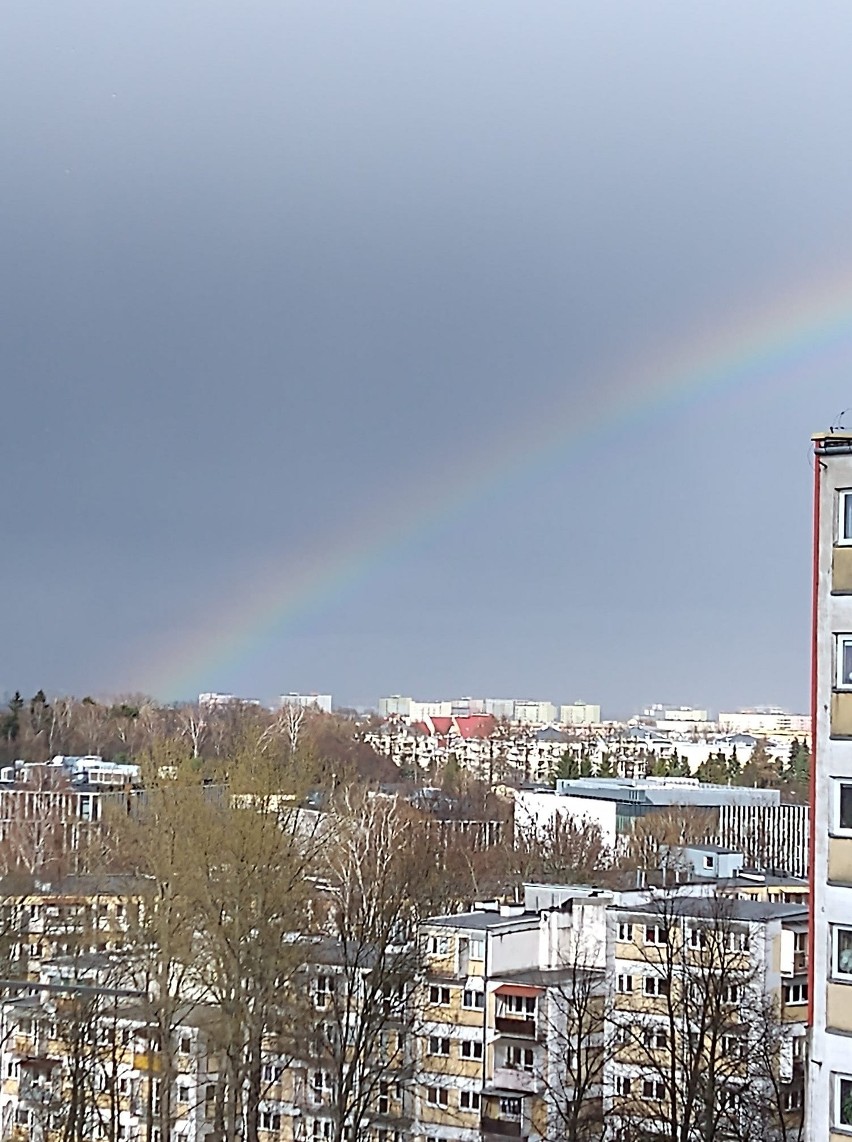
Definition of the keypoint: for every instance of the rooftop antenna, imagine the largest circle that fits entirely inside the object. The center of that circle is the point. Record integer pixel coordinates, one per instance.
(840, 426)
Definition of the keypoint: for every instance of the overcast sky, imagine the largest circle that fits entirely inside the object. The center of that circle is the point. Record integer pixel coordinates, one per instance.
(277, 277)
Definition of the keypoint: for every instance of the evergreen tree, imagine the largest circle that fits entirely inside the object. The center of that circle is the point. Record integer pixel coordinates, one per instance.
(605, 768)
(735, 769)
(568, 768)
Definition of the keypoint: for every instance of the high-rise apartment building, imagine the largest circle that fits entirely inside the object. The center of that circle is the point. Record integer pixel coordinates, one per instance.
(830, 1065)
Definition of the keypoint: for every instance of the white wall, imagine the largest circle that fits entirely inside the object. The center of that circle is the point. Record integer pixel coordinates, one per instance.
(538, 811)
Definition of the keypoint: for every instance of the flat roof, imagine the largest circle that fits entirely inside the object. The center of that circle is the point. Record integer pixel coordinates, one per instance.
(714, 908)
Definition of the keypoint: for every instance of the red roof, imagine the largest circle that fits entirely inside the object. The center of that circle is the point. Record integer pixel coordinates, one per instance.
(476, 725)
(442, 725)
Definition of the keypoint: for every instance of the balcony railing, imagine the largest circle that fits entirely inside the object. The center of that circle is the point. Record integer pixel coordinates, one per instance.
(511, 1025)
(506, 1128)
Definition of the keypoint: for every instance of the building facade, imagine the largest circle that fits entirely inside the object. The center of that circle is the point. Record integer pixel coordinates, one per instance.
(830, 1070)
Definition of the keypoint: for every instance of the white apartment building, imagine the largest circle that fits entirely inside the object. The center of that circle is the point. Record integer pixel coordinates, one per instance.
(765, 723)
(830, 1070)
(579, 714)
(321, 702)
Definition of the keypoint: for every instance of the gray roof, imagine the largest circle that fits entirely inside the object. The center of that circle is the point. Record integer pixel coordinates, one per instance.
(714, 908)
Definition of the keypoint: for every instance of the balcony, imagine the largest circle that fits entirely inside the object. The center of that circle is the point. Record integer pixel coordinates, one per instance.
(503, 1127)
(512, 1025)
(515, 1079)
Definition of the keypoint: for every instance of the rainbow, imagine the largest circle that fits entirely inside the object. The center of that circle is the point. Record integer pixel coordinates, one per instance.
(762, 344)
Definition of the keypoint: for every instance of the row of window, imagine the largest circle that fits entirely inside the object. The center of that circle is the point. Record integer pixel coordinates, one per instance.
(698, 936)
(441, 996)
(440, 1096)
(468, 1048)
(656, 985)
(445, 946)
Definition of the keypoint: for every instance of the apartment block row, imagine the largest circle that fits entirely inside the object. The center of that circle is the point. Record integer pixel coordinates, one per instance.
(574, 1006)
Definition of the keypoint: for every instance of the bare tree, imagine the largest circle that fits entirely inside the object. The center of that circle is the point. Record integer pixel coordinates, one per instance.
(697, 1027)
(364, 978)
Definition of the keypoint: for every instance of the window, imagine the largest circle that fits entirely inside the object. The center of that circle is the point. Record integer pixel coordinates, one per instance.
(473, 999)
(519, 1005)
(732, 1047)
(844, 517)
(735, 941)
(655, 985)
(520, 1058)
(270, 1120)
(843, 811)
(320, 1083)
(510, 1108)
(439, 1046)
(320, 1129)
(477, 949)
(792, 1099)
(697, 937)
(272, 1072)
(622, 1036)
(469, 1099)
(471, 1049)
(624, 983)
(439, 995)
(384, 1098)
(183, 1094)
(843, 680)
(184, 1045)
(622, 1085)
(653, 1089)
(655, 1040)
(708, 863)
(439, 945)
(323, 990)
(731, 993)
(842, 953)
(656, 935)
(437, 1096)
(796, 993)
(625, 933)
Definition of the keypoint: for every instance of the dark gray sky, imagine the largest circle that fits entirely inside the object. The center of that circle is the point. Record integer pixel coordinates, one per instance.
(273, 271)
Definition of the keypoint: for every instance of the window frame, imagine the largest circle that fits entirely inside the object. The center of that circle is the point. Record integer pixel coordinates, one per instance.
(840, 538)
(655, 986)
(471, 1050)
(841, 641)
(836, 971)
(838, 829)
(477, 1005)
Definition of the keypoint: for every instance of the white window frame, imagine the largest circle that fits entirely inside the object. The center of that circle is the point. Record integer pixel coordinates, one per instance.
(656, 934)
(841, 641)
(470, 1100)
(622, 1085)
(837, 829)
(471, 1050)
(476, 948)
(439, 946)
(478, 999)
(437, 1096)
(845, 976)
(625, 933)
(439, 1045)
(841, 539)
(653, 985)
(624, 983)
(439, 995)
